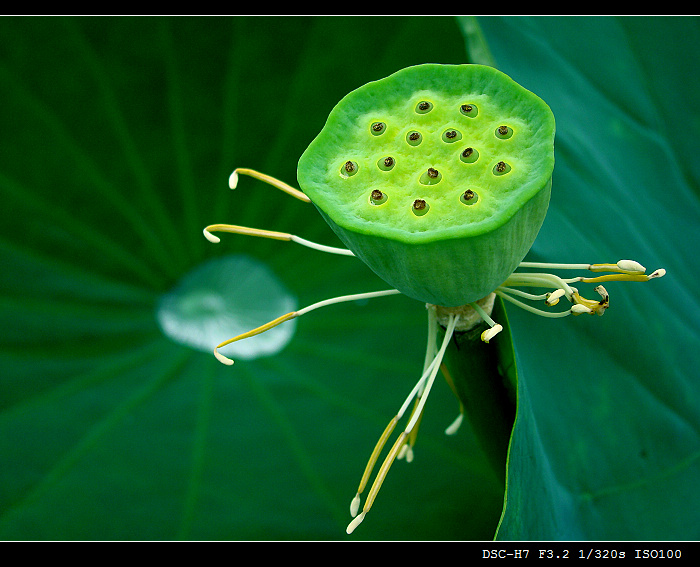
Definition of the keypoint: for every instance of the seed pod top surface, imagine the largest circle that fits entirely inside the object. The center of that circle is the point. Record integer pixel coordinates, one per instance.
(430, 152)
(438, 177)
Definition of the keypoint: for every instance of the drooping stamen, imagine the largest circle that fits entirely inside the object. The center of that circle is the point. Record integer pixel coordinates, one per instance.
(372, 461)
(501, 293)
(234, 229)
(294, 314)
(403, 437)
(281, 185)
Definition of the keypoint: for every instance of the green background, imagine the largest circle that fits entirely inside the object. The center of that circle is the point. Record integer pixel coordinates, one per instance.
(118, 138)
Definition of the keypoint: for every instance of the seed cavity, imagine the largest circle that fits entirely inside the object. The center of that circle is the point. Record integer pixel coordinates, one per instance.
(469, 110)
(377, 197)
(469, 155)
(378, 128)
(348, 169)
(420, 207)
(423, 107)
(386, 163)
(414, 138)
(501, 168)
(431, 177)
(469, 197)
(450, 135)
(504, 132)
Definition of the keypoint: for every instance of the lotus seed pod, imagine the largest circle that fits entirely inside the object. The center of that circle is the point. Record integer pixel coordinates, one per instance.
(438, 177)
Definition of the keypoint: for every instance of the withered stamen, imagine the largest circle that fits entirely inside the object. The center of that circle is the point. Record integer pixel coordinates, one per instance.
(450, 134)
(467, 152)
(378, 126)
(432, 172)
(414, 136)
(468, 195)
(501, 166)
(377, 195)
(424, 105)
(467, 108)
(503, 130)
(349, 166)
(388, 161)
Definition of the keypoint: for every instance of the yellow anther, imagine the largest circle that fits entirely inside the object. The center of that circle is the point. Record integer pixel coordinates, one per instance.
(232, 228)
(281, 185)
(624, 277)
(256, 331)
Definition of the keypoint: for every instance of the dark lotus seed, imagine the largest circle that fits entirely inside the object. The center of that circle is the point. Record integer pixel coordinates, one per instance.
(468, 195)
(389, 161)
(349, 166)
(419, 204)
(501, 166)
(424, 105)
(451, 134)
(503, 130)
(467, 152)
(377, 195)
(414, 136)
(432, 172)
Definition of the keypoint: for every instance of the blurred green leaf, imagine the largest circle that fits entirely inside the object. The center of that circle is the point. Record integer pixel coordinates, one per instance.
(119, 136)
(606, 443)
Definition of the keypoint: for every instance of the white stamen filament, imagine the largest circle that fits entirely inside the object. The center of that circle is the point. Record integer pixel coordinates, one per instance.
(321, 247)
(551, 266)
(524, 294)
(538, 280)
(530, 308)
(345, 298)
(433, 373)
(485, 316)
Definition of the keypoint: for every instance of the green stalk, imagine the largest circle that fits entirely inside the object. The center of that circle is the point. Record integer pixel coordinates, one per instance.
(484, 380)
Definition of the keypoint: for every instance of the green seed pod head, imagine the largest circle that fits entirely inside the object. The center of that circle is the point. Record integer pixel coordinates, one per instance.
(438, 177)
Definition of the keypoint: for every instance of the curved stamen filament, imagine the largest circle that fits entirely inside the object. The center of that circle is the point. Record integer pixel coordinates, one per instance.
(624, 270)
(530, 308)
(538, 280)
(281, 185)
(403, 438)
(234, 229)
(293, 314)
